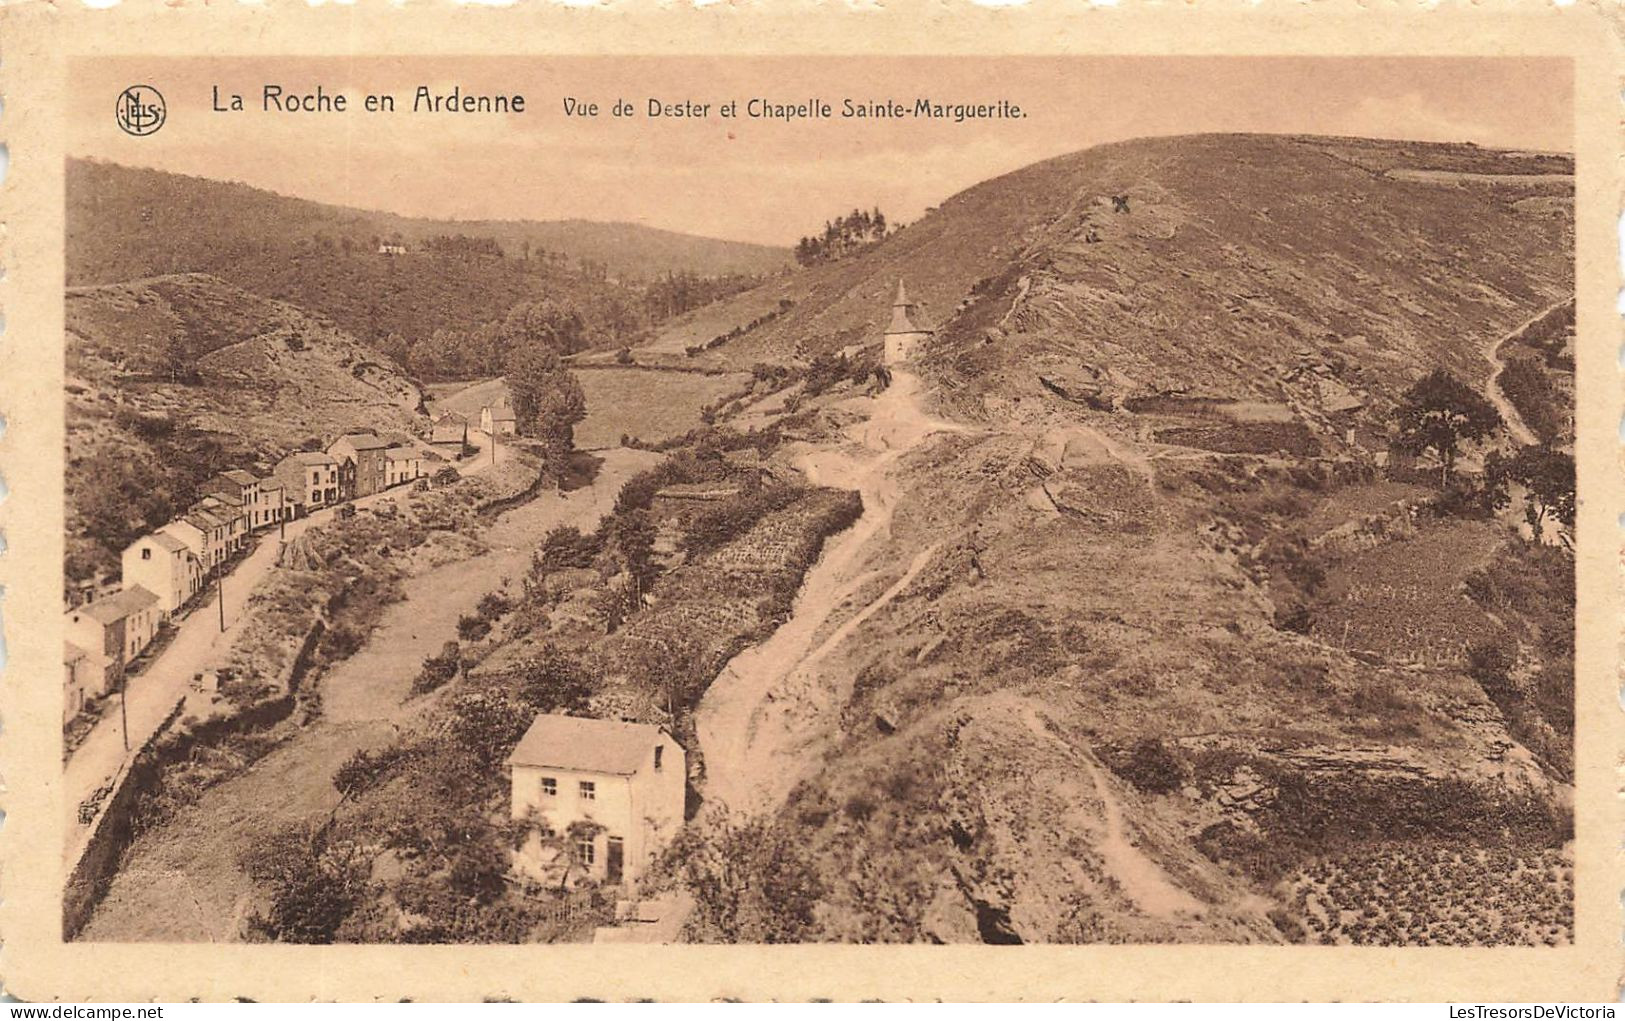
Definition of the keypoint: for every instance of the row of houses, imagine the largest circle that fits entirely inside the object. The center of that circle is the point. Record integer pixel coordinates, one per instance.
(165, 570)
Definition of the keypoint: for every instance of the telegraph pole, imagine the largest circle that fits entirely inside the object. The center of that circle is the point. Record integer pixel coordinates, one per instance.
(220, 588)
(124, 705)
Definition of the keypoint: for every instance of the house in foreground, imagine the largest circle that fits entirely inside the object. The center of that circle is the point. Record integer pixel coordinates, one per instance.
(606, 793)
(403, 464)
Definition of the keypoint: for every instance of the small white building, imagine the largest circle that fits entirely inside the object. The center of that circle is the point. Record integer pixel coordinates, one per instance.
(164, 566)
(498, 420)
(112, 631)
(79, 687)
(628, 780)
(903, 335)
(402, 464)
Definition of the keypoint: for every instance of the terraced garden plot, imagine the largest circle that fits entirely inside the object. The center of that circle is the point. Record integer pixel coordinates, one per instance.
(1402, 601)
(1436, 897)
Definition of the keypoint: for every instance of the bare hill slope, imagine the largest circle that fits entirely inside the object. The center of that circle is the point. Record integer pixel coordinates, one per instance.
(1135, 643)
(1236, 255)
(143, 431)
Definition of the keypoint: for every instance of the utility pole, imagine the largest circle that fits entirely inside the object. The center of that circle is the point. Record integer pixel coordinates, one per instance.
(220, 588)
(124, 705)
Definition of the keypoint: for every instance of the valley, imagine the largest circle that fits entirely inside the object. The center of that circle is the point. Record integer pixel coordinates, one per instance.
(1112, 602)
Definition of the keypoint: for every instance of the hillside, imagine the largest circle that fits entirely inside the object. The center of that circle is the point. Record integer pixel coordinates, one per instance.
(1137, 640)
(327, 259)
(1237, 257)
(141, 437)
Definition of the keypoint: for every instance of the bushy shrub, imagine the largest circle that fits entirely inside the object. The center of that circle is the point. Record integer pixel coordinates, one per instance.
(1152, 767)
(713, 527)
(437, 670)
(565, 547)
(314, 884)
(752, 883)
(471, 628)
(493, 605)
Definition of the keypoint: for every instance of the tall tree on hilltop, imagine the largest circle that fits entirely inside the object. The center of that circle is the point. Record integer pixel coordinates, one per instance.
(1440, 413)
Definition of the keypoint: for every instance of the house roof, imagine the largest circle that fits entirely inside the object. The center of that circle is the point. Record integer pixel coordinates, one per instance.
(119, 605)
(239, 476)
(588, 745)
(401, 453)
(225, 496)
(901, 322)
(449, 433)
(363, 441)
(71, 653)
(501, 414)
(167, 542)
(205, 518)
(311, 457)
(270, 484)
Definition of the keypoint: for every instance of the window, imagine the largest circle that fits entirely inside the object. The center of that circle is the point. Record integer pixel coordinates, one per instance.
(589, 791)
(550, 787)
(146, 553)
(315, 478)
(585, 851)
(659, 750)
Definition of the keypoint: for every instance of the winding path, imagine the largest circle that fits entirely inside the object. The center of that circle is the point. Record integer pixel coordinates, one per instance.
(760, 713)
(1515, 424)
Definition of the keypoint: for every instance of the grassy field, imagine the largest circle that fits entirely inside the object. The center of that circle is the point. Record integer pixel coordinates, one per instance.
(648, 404)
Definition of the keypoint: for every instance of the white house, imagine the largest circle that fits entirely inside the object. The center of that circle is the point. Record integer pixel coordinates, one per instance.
(402, 464)
(626, 780)
(498, 420)
(310, 479)
(79, 686)
(164, 566)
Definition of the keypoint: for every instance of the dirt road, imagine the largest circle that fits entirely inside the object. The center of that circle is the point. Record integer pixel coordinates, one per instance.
(199, 645)
(762, 711)
(1515, 424)
(193, 860)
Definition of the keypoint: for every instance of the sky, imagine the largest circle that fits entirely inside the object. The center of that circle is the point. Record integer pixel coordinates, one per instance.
(761, 180)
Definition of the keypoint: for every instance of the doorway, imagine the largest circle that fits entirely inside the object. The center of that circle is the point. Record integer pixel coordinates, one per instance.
(614, 859)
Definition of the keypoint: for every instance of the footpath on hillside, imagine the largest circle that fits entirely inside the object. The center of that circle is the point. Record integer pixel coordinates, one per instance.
(752, 721)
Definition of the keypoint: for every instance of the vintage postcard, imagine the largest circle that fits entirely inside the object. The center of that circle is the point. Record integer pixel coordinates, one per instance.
(922, 502)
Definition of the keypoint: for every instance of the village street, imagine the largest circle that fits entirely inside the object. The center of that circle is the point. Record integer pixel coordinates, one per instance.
(187, 884)
(198, 645)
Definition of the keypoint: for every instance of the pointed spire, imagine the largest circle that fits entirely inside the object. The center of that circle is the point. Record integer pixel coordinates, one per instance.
(901, 321)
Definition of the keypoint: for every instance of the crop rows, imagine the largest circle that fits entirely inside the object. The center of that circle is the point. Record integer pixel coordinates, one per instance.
(1436, 897)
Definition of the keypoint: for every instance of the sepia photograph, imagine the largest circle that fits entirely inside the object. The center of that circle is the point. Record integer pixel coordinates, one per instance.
(1058, 514)
(897, 515)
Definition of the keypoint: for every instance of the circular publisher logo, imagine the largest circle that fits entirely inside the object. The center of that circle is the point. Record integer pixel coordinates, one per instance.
(140, 110)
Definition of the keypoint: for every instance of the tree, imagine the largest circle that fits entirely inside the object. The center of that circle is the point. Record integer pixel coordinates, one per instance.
(547, 401)
(313, 881)
(544, 324)
(555, 682)
(1440, 413)
(486, 724)
(1547, 474)
(632, 542)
